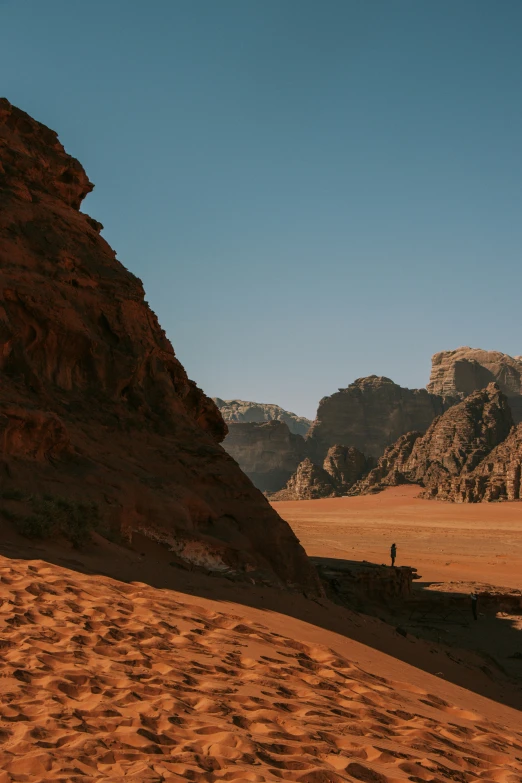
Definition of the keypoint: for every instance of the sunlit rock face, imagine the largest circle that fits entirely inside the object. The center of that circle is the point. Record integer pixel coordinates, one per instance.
(243, 412)
(465, 370)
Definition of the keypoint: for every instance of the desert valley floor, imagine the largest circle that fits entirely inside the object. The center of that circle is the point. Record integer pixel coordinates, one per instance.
(446, 542)
(118, 667)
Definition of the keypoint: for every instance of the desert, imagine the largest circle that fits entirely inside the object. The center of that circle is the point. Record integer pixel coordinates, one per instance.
(260, 392)
(480, 542)
(117, 666)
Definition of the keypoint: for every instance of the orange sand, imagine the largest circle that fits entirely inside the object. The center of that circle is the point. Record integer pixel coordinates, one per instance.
(204, 679)
(103, 680)
(446, 542)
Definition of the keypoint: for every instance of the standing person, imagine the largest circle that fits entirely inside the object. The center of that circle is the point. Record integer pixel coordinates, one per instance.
(393, 553)
(474, 598)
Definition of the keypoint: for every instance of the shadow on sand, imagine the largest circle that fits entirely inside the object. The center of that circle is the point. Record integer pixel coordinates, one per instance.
(460, 651)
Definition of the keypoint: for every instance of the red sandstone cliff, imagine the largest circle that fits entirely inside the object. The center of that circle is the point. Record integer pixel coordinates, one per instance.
(465, 437)
(497, 477)
(244, 412)
(343, 466)
(94, 404)
(371, 414)
(465, 370)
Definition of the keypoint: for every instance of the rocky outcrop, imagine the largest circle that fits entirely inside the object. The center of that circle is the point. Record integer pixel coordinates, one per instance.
(497, 477)
(345, 465)
(452, 448)
(94, 405)
(465, 370)
(370, 415)
(456, 442)
(341, 469)
(242, 412)
(309, 482)
(391, 468)
(359, 584)
(267, 452)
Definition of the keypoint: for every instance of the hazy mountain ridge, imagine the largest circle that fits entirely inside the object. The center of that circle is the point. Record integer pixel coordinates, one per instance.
(244, 412)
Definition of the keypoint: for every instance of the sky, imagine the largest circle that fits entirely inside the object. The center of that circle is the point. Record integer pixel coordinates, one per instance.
(311, 190)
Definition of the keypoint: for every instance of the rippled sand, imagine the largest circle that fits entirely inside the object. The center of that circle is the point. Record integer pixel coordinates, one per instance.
(104, 680)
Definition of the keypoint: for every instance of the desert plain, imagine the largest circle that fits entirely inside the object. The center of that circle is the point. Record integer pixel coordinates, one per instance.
(446, 542)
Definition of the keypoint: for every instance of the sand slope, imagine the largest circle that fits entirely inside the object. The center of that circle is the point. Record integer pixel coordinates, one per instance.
(103, 680)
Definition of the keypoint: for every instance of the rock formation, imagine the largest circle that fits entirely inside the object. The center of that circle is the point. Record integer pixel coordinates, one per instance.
(452, 448)
(309, 482)
(267, 452)
(465, 370)
(370, 415)
(245, 412)
(94, 404)
(343, 466)
(497, 476)
(360, 584)
(391, 469)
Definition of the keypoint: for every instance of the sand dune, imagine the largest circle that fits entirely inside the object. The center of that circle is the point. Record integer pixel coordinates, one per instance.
(104, 680)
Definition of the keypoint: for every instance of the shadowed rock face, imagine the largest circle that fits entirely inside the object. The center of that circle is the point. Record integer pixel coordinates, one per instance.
(370, 415)
(341, 469)
(309, 482)
(345, 465)
(452, 448)
(267, 452)
(242, 412)
(465, 370)
(390, 470)
(94, 404)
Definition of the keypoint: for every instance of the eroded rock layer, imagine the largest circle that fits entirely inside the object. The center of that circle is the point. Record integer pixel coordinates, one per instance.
(498, 476)
(465, 370)
(370, 415)
(243, 412)
(309, 482)
(391, 468)
(453, 447)
(94, 404)
(341, 469)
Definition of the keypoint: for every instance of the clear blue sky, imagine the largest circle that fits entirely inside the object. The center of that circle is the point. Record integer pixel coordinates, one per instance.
(310, 191)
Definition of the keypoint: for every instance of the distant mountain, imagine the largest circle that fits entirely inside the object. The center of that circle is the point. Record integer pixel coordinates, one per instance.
(244, 412)
(470, 453)
(402, 428)
(465, 370)
(370, 414)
